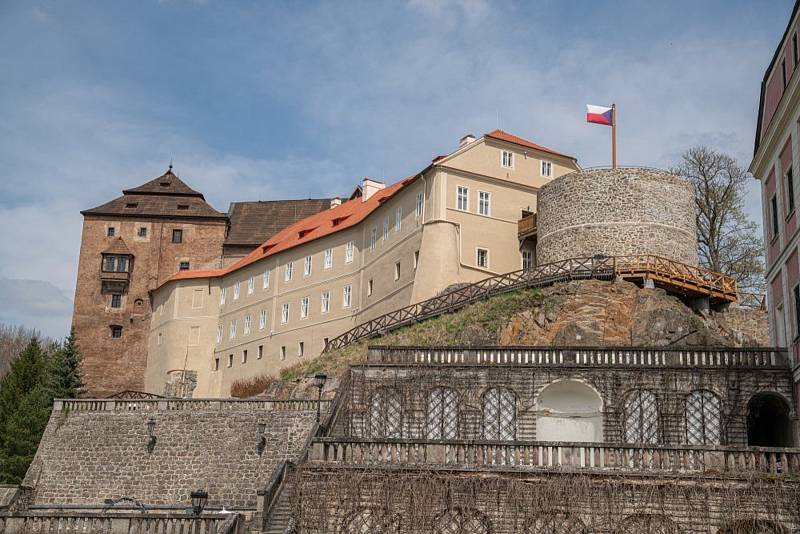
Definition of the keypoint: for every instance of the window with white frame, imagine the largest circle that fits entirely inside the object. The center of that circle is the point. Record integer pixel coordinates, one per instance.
(348, 252)
(219, 334)
(232, 329)
(418, 210)
(482, 258)
(326, 301)
(262, 320)
(304, 308)
(527, 260)
(462, 198)
(347, 293)
(386, 228)
(328, 262)
(547, 169)
(247, 324)
(285, 313)
(398, 219)
(222, 296)
(373, 238)
(397, 271)
(236, 291)
(265, 280)
(251, 285)
(287, 274)
(307, 266)
(507, 159)
(484, 203)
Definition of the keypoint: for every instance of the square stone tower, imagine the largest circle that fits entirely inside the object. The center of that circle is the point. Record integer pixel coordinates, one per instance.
(129, 246)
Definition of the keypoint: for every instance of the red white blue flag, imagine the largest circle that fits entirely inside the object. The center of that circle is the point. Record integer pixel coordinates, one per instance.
(600, 115)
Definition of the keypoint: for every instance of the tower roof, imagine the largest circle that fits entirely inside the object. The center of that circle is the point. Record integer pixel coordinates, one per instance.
(166, 184)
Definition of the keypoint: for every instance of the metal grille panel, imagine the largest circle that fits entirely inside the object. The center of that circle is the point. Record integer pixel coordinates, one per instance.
(640, 417)
(461, 522)
(703, 418)
(386, 414)
(499, 415)
(555, 524)
(370, 522)
(441, 421)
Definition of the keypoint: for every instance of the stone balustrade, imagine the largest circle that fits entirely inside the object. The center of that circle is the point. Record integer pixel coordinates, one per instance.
(194, 405)
(686, 358)
(128, 523)
(532, 456)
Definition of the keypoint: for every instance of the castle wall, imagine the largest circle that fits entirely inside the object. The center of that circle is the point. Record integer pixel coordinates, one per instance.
(617, 212)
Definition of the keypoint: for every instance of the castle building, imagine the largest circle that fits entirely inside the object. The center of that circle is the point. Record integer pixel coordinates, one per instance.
(776, 154)
(456, 221)
(133, 244)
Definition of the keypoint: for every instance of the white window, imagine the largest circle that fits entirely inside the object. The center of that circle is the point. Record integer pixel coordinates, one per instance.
(328, 263)
(232, 329)
(265, 283)
(247, 324)
(348, 252)
(418, 210)
(222, 296)
(483, 258)
(285, 313)
(398, 219)
(507, 159)
(462, 198)
(219, 334)
(416, 258)
(386, 228)
(527, 260)
(547, 169)
(307, 266)
(369, 287)
(262, 320)
(251, 285)
(326, 301)
(287, 275)
(236, 291)
(283, 352)
(347, 292)
(483, 203)
(397, 271)
(373, 238)
(300, 349)
(304, 308)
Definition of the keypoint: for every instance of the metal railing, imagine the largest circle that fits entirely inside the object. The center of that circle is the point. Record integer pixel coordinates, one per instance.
(198, 405)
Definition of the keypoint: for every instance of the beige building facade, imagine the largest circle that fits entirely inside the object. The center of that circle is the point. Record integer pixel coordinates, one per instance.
(455, 221)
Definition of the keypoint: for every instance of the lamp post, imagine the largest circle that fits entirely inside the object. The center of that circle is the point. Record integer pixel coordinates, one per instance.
(199, 498)
(319, 381)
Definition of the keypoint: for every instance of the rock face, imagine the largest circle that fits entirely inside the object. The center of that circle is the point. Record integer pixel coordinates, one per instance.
(595, 313)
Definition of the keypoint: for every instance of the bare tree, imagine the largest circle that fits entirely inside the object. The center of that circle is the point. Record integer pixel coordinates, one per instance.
(728, 239)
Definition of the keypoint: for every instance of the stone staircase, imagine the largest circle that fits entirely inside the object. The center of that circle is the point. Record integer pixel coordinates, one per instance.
(281, 513)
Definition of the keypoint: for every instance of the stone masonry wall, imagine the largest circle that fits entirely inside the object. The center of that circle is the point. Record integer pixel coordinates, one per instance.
(86, 456)
(617, 212)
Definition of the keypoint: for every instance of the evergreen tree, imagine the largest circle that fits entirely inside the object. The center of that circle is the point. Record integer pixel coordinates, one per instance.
(66, 379)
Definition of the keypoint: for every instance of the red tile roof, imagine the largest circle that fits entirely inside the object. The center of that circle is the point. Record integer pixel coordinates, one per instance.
(509, 138)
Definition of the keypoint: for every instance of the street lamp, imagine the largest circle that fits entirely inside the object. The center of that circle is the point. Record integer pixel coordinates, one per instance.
(199, 498)
(319, 381)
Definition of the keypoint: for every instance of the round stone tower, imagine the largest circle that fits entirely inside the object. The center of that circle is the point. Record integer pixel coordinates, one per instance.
(616, 212)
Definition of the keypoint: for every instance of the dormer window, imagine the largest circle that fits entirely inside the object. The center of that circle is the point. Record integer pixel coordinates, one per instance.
(164, 184)
(339, 220)
(183, 206)
(507, 159)
(302, 233)
(132, 205)
(113, 263)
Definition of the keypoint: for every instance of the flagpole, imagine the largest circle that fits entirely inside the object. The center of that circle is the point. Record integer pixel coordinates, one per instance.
(613, 136)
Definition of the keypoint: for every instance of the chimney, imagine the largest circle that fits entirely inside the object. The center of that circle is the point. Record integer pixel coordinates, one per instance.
(336, 201)
(467, 139)
(369, 187)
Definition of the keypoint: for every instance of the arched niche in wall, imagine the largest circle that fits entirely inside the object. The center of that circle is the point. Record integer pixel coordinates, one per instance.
(569, 410)
(769, 422)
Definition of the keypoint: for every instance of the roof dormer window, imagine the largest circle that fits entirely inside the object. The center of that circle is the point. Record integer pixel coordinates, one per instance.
(164, 184)
(132, 205)
(183, 206)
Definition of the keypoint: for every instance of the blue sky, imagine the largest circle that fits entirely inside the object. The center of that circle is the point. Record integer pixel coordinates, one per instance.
(263, 100)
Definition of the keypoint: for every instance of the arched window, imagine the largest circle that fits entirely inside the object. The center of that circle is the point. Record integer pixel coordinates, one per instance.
(370, 521)
(640, 419)
(648, 524)
(703, 418)
(465, 521)
(499, 414)
(441, 421)
(752, 527)
(555, 524)
(386, 414)
(569, 410)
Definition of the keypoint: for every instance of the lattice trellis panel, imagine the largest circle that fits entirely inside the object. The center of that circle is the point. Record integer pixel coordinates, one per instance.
(641, 417)
(499, 415)
(555, 524)
(386, 414)
(441, 420)
(649, 524)
(752, 527)
(461, 522)
(703, 418)
(370, 522)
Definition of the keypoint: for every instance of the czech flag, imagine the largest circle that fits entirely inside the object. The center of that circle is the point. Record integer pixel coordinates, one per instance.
(599, 115)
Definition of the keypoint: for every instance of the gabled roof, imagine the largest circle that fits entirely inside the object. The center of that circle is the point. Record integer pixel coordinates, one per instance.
(166, 184)
(253, 223)
(509, 138)
(117, 247)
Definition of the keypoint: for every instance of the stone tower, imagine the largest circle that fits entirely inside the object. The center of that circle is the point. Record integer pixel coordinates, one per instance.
(129, 246)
